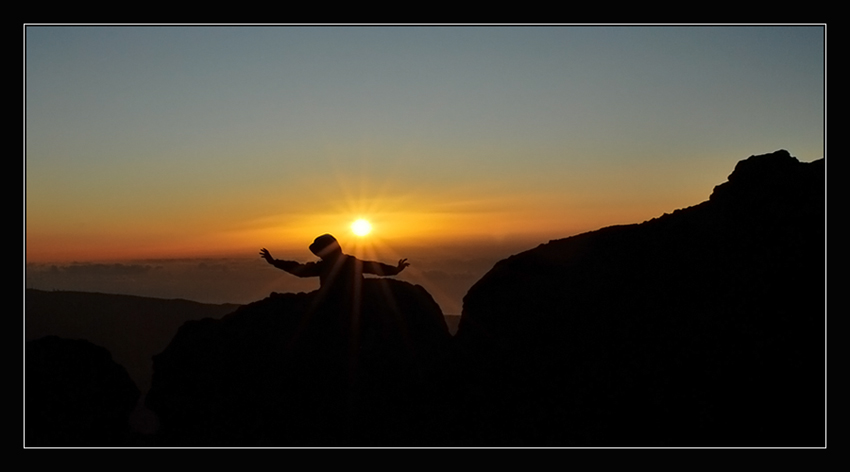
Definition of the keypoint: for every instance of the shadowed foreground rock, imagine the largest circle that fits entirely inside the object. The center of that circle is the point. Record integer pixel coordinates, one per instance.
(700, 328)
(292, 370)
(76, 395)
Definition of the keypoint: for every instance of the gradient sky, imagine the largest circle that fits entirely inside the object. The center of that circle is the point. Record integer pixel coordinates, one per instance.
(203, 142)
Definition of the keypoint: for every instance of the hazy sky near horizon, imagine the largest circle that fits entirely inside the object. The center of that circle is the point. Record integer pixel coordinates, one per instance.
(175, 142)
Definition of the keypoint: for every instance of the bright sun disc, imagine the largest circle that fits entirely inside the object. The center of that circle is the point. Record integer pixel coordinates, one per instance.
(361, 227)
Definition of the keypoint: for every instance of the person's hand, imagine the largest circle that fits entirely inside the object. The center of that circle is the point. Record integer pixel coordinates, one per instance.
(402, 263)
(265, 254)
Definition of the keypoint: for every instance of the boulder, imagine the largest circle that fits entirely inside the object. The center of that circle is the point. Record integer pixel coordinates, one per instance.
(299, 370)
(75, 395)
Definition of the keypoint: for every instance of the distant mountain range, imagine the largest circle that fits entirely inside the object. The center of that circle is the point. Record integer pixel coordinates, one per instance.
(132, 328)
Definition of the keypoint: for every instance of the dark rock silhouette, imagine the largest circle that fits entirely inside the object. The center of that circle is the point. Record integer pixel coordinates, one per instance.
(705, 327)
(75, 395)
(297, 370)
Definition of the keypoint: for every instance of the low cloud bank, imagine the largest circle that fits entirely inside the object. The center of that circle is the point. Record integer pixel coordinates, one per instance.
(248, 279)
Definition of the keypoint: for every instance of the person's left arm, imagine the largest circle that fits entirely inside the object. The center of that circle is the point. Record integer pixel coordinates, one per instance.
(379, 268)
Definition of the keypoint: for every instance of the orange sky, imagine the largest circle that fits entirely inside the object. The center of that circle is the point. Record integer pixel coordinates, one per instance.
(234, 223)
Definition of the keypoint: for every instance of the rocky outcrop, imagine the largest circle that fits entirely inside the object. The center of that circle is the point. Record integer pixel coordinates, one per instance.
(298, 370)
(75, 395)
(703, 327)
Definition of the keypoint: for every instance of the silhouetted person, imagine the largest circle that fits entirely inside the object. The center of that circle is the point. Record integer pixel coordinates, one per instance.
(335, 269)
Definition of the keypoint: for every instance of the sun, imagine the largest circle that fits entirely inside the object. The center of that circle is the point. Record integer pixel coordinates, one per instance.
(361, 227)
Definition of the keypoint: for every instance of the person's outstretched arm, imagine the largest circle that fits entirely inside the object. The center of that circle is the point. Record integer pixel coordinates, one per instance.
(310, 269)
(379, 268)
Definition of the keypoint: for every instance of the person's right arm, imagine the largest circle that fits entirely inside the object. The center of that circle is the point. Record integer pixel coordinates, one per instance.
(310, 269)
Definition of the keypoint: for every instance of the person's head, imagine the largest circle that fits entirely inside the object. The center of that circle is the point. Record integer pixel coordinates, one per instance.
(326, 246)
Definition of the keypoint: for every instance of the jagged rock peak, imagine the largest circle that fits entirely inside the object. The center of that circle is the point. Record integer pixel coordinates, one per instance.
(771, 172)
(763, 165)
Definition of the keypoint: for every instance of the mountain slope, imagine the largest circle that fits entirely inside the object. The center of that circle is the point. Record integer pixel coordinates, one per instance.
(703, 327)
